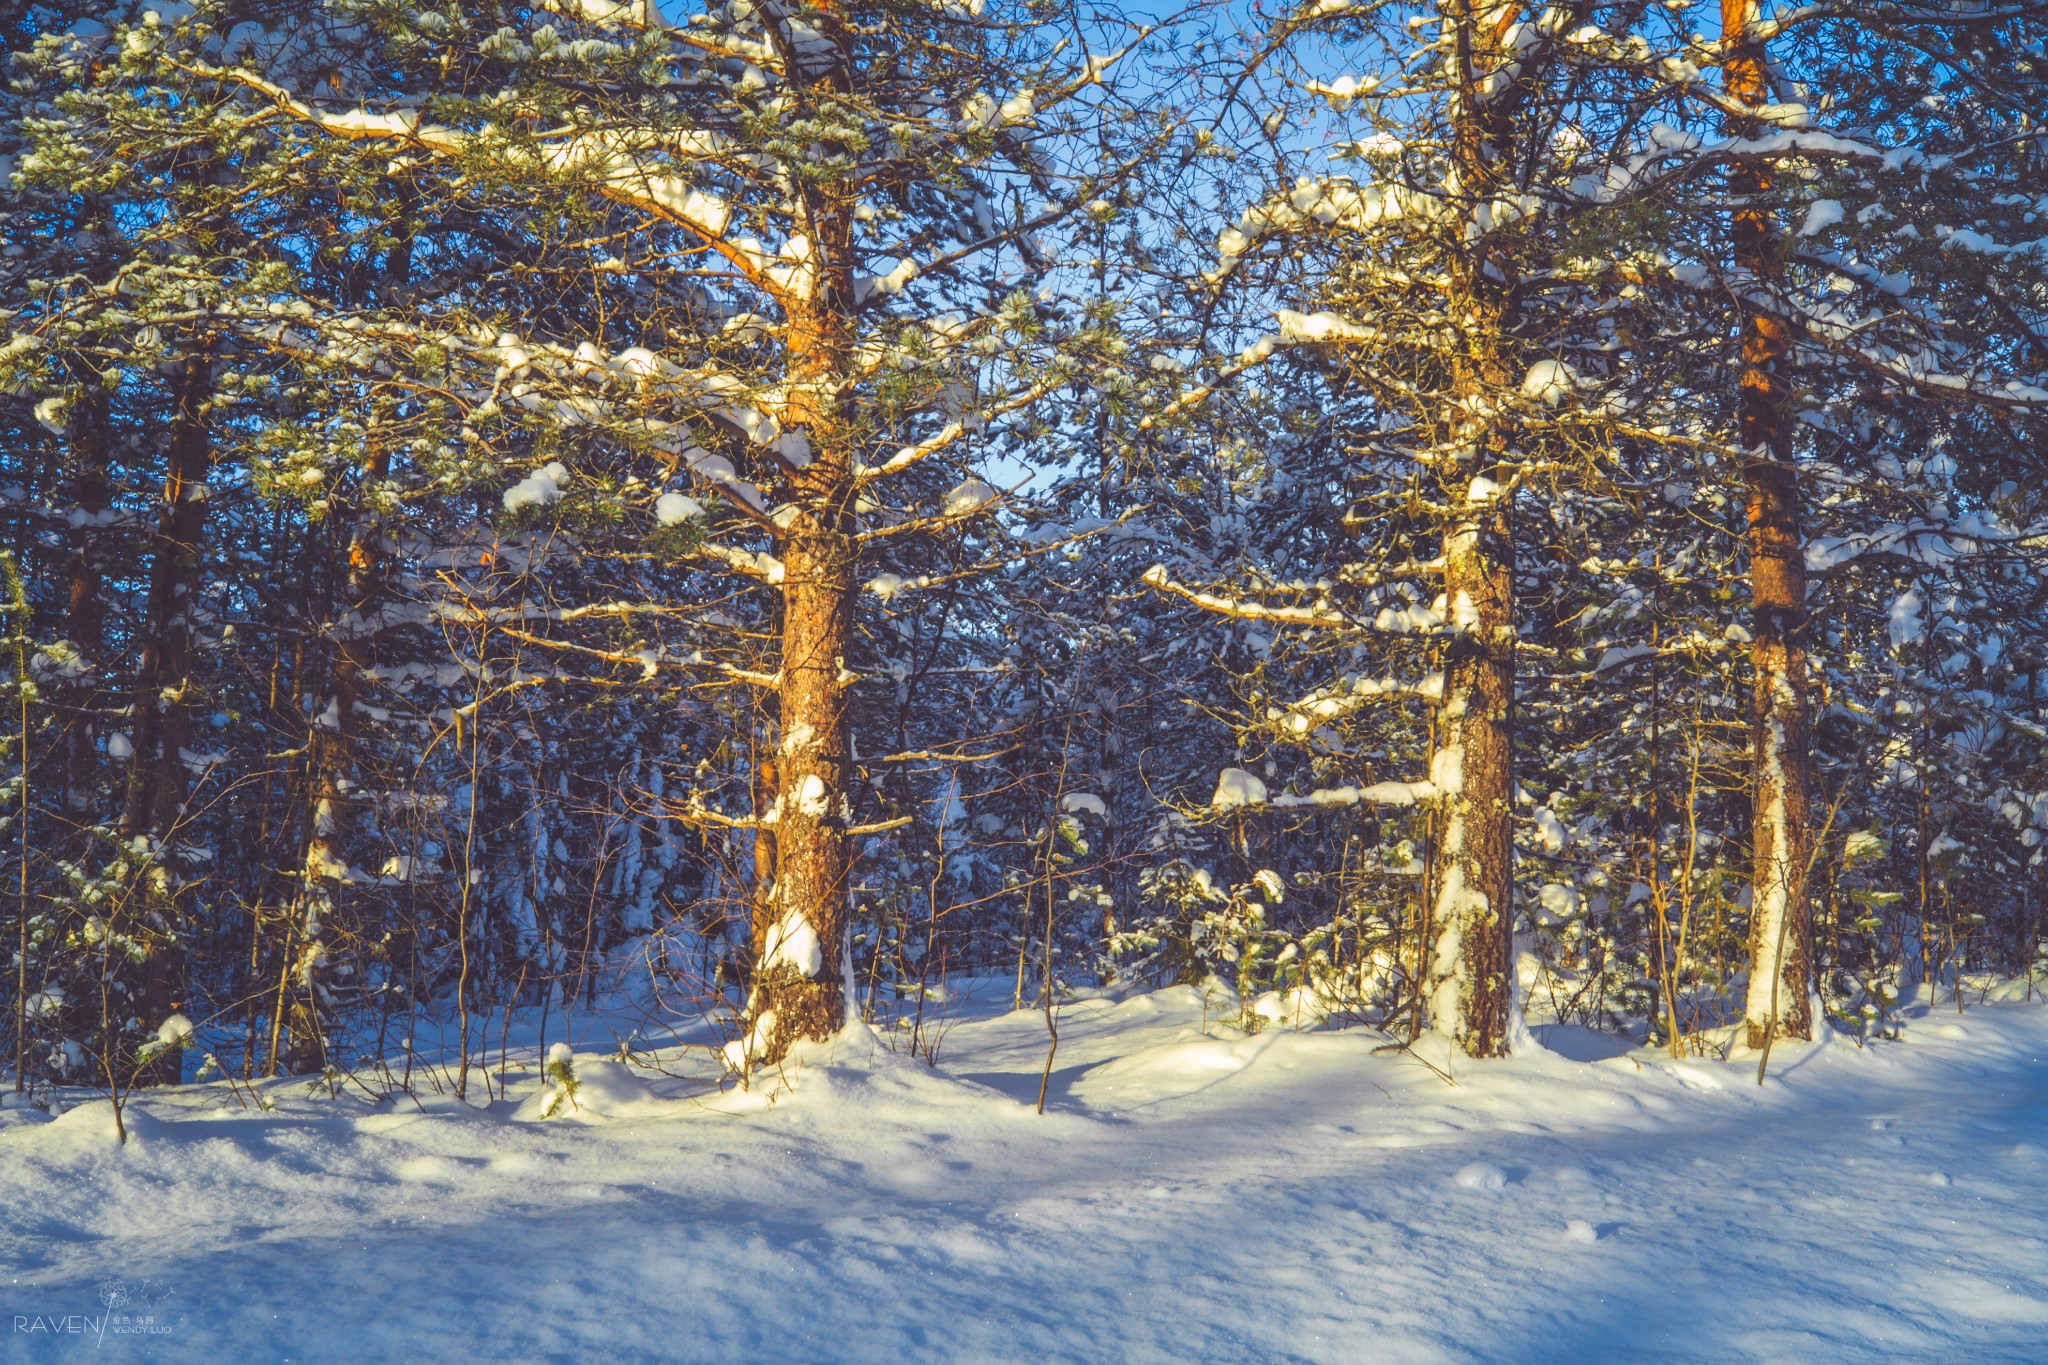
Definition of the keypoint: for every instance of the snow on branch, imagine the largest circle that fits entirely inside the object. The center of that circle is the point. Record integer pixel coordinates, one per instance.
(1337, 203)
(1933, 543)
(1159, 580)
(1348, 695)
(634, 171)
(954, 430)
(1237, 789)
(633, 14)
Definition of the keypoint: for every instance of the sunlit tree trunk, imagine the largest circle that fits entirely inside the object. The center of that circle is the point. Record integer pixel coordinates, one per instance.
(798, 990)
(800, 938)
(1472, 917)
(1474, 766)
(1780, 982)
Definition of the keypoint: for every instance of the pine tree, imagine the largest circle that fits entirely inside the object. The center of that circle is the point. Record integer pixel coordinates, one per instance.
(797, 380)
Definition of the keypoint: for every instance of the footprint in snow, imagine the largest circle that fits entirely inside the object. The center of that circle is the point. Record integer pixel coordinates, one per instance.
(1480, 1176)
(428, 1169)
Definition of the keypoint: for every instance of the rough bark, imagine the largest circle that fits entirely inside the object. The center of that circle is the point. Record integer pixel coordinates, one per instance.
(1780, 983)
(813, 851)
(1473, 912)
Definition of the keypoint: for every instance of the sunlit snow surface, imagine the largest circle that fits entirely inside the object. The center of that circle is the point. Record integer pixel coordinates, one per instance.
(1190, 1195)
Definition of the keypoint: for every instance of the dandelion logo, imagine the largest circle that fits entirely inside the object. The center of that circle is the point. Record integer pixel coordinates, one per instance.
(128, 1311)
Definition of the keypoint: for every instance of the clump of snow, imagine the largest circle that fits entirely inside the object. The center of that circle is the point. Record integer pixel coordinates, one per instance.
(793, 942)
(1906, 624)
(1373, 794)
(1480, 1175)
(793, 447)
(1237, 788)
(1559, 902)
(968, 497)
(603, 1087)
(741, 1051)
(59, 661)
(673, 509)
(811, 799)
(1271, 1007)
(1821, 215)
(1344, 89)
(1314, 327)
(1549, 382)
(894, 282)
(1447, 769)
(1786, 115)
(174, 1031)
(563, 1084)
(542, 488)
(1075, 803)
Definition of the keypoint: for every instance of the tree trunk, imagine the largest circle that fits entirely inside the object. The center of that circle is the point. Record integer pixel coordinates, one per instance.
(333, 754)
(1474, 765)
(798, 991)
(334, 785)
(154, 805)
(766, 794)
(1472, 915)
(800, 939)
(1780, 929)
(85, 612)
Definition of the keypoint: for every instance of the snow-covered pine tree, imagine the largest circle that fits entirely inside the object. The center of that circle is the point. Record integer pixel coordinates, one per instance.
(1587, 126)
(1480, 336)
(815, 230)
(1833, 316)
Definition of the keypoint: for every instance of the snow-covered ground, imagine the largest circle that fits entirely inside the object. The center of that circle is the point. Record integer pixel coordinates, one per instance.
(1191, 1194)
